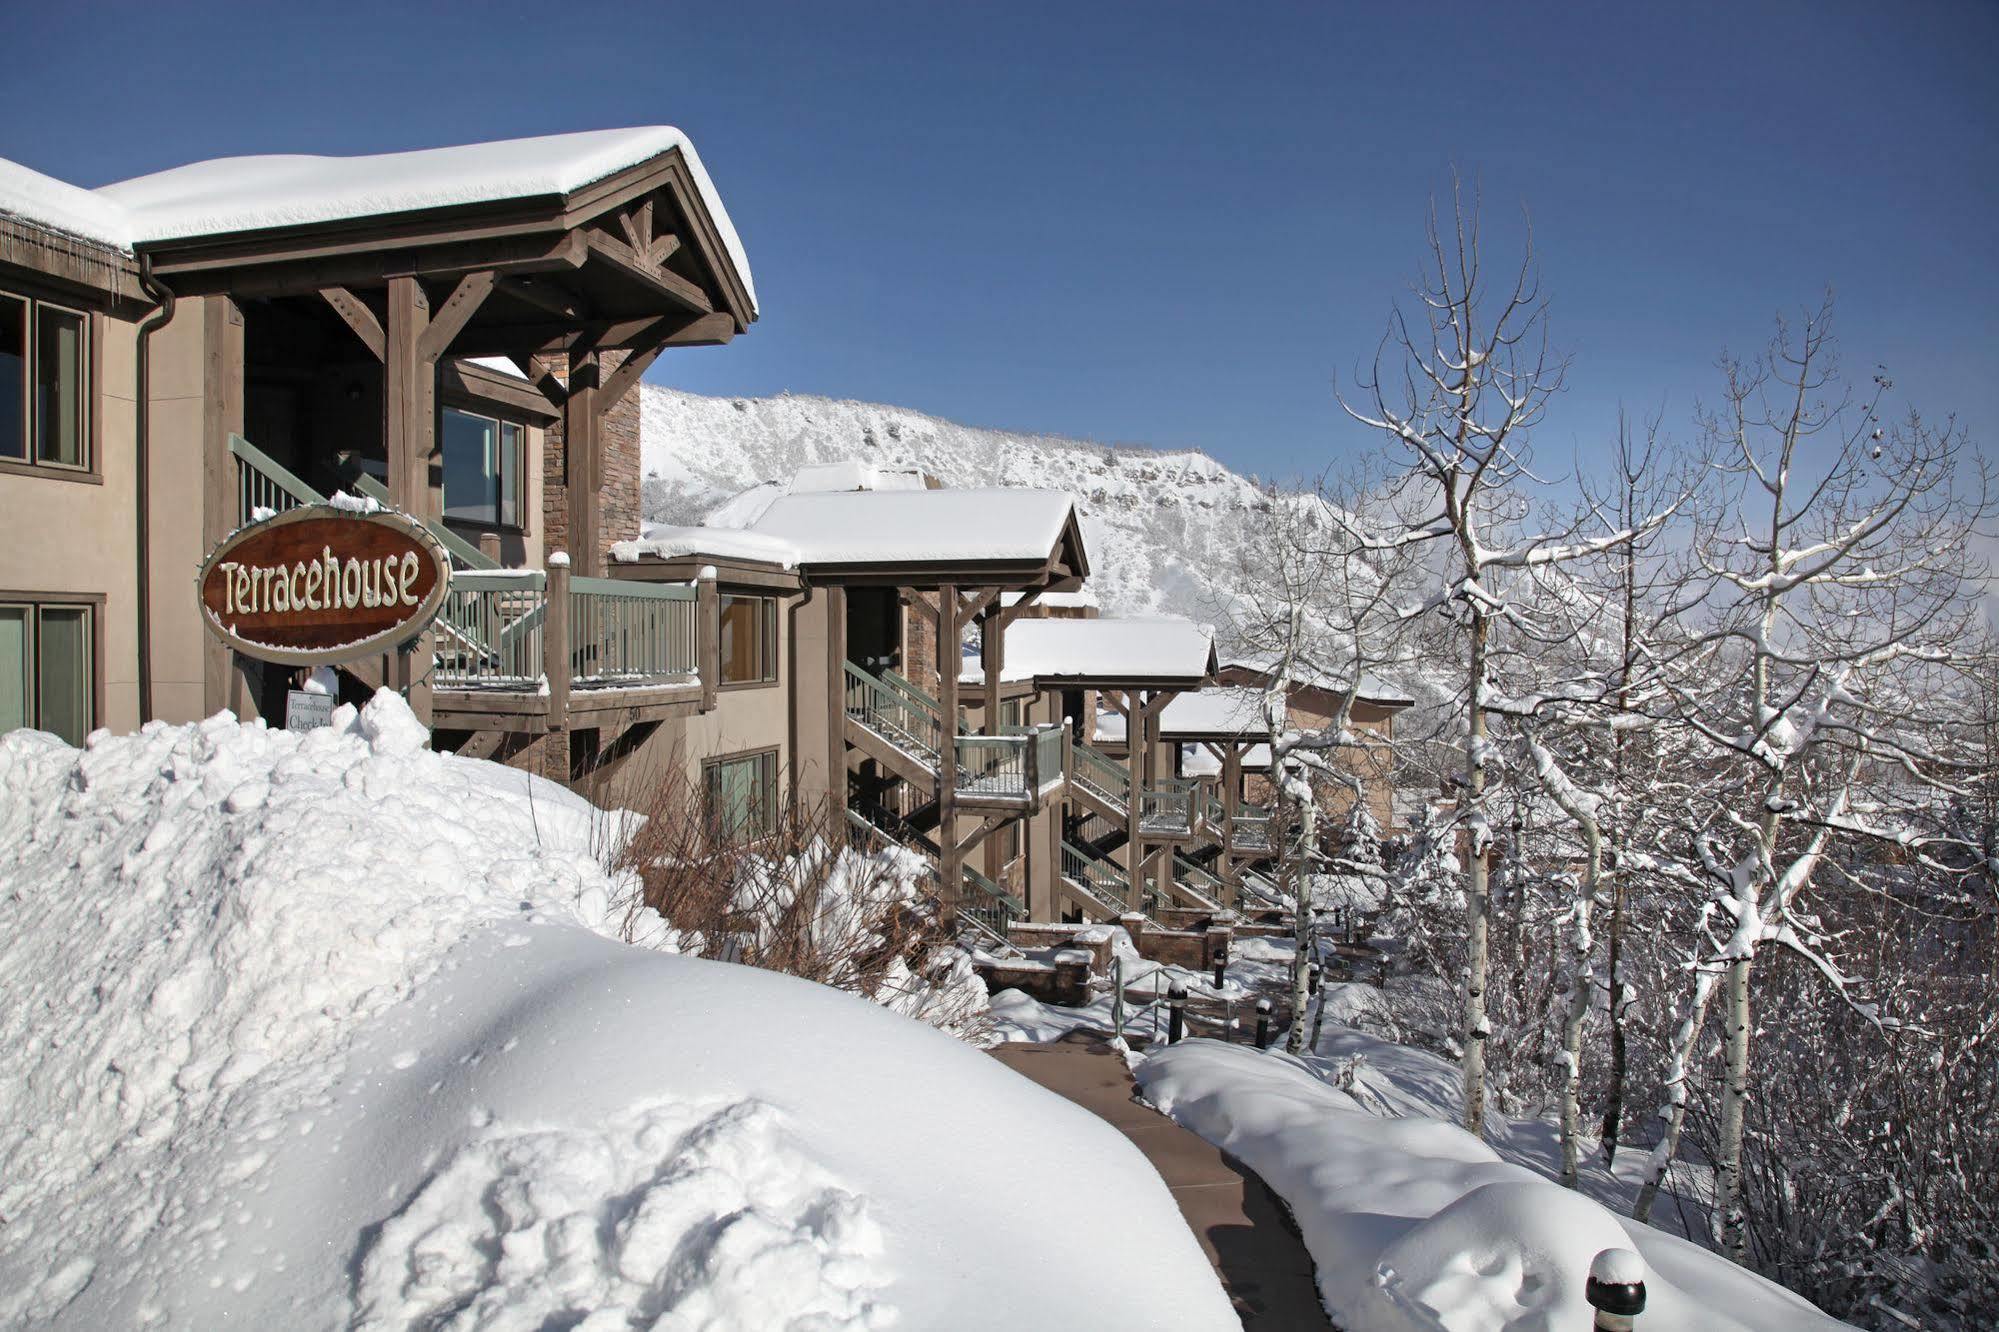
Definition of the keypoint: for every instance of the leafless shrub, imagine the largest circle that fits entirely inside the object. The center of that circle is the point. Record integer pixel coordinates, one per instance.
(795, 898)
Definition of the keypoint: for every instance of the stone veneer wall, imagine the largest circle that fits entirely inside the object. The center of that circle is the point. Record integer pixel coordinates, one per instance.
(619, 493)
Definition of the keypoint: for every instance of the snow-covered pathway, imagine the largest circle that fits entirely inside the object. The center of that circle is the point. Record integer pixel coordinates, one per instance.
(1240, 1223)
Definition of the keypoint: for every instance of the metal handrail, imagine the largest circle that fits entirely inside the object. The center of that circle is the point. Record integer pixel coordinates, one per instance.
(907, 687)
(1100, 878)
(1101, 775)
(264, 483)
(467, 555)
(982, 900)
(489, 629)
(1199, 881)
(888, 713)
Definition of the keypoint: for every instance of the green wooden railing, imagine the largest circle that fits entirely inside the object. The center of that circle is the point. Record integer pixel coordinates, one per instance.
(1210, 890)
(264, 486)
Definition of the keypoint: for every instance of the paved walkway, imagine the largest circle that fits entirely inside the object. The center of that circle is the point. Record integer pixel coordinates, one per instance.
(1240, 1223)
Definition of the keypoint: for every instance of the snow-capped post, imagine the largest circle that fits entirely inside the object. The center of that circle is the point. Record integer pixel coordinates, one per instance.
(1176, 1013)
(1117, 996)
(1311, 979)
(1221, 968)
(708, 635)
(1616, 1290)
(1263, 1024)
(555, 654)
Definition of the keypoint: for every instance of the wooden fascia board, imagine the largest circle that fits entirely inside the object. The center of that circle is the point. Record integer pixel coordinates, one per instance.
(728, 573)
(361, 235)
(1176, 683)
(669, 171)
(477, 384)
(926, 577)
(301, 274)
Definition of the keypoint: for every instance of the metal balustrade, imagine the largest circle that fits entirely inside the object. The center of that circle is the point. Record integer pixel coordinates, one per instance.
(986, 904)
(1250, 829)
(1100, 878)
(264, 486)
(1019, 766)
(895, 717)
(489, 631)
(1167, 812)
(1200, 882)
(621, 631)
(1101, 775)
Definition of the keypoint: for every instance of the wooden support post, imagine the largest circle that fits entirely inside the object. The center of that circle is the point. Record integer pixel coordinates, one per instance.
(1231, 800)
(950, 651)
(409, 429)
(556, 661)
(837, 776)
(708, 637)
(583, 456)
(221, 417)
(992, 659)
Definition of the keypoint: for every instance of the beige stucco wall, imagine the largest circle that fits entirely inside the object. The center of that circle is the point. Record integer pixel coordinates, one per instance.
(76, 536)
(176, 486)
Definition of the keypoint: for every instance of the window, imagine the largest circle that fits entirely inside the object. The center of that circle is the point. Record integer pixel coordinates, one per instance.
(482, 469)
(47, 677)
(43, 367)
(742, 795)
(749, 640)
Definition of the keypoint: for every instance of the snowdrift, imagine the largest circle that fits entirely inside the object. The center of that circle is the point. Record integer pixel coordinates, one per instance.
(329, 1030)
(1417, 1226)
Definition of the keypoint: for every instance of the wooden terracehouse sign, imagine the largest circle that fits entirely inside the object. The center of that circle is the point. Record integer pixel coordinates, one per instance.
(319, 585)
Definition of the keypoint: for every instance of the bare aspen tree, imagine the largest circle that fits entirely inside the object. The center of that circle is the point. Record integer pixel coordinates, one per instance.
(1315, 602)
(1472, 380)
(1844, 593)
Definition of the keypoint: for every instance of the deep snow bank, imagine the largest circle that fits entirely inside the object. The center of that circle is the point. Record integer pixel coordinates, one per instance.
(1416, 1226)
(325, 1030)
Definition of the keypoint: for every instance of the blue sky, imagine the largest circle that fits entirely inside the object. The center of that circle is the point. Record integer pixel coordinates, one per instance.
(1167, 223)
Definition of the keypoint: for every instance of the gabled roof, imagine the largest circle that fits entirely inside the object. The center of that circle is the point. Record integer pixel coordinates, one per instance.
(1372, 687)
(1221, 713)
(961, 529)
(1110, 653)
(232, 195)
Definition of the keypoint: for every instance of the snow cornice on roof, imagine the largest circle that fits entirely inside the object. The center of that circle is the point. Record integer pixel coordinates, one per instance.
(234, 195)
(1163, 651)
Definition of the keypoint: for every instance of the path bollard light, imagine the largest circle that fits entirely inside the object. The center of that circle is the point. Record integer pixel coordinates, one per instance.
(1176, 1014)
(1263, 1024)
(1311, 980)
(1616, 1290)
(1221, 970)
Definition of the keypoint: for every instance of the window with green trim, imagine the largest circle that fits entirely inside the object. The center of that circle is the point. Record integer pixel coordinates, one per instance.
(741, 794)
(47, 672)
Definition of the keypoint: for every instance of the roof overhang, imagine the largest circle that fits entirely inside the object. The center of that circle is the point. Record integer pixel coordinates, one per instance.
(575, 268)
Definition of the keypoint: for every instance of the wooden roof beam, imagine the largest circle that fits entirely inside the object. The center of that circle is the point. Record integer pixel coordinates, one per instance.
(357, 316)
(544, 297)
(661, 281)
(449, 319)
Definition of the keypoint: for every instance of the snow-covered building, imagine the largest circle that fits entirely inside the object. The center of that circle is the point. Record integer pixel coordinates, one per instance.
(455, 332)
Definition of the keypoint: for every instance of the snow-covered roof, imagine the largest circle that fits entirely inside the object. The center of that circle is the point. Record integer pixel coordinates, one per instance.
(1372, 687)
(1219, 711)
(666, 542)
(1165, 648)
(852, 475)
(56, 205)
(1081, 599)
(744, 509)
(232, 194)
(919, 526)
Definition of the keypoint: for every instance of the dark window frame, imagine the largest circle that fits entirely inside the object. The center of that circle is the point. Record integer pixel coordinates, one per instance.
(90, 365)
(92, 606)
(501, 423)
(770, 668)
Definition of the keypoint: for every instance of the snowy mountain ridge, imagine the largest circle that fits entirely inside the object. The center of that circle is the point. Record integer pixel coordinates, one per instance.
(1163, 528)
